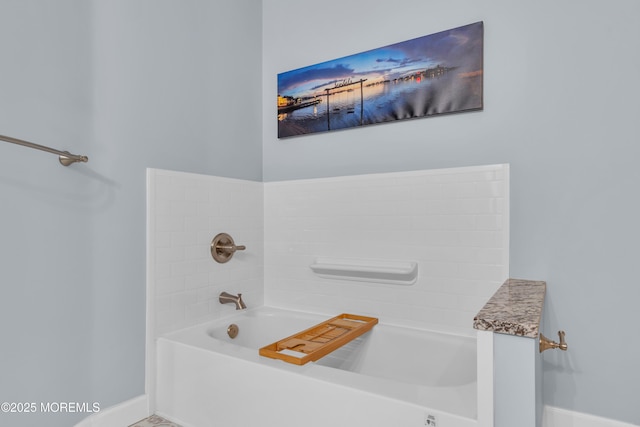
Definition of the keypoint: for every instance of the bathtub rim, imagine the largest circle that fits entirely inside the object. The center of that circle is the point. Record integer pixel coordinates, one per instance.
(468, 332)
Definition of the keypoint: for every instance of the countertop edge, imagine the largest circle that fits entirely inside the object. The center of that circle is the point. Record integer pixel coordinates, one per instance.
(515, 309)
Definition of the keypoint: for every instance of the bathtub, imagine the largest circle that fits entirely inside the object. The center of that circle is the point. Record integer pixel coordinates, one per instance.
(390, 376)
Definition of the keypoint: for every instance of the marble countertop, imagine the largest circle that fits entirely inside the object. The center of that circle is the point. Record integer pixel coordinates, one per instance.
(515, 309)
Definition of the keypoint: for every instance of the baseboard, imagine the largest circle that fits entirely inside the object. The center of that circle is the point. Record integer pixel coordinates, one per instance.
(122, 414)
(556, 417)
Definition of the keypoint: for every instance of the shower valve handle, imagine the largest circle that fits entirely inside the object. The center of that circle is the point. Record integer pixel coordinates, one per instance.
(231, 248)
(223, 247)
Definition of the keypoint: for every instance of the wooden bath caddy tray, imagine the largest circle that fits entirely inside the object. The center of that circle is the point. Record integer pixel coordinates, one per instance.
(319, 340)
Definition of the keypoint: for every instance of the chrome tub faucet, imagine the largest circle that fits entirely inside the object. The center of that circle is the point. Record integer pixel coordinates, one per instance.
(227, 298)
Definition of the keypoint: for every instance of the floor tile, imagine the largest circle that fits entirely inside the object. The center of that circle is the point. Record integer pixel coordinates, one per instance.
(154, 421)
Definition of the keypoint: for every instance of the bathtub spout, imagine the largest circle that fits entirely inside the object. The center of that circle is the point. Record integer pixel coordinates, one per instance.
(227, 298)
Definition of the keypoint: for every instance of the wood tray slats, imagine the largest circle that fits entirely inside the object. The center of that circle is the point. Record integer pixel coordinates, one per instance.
(319, 340)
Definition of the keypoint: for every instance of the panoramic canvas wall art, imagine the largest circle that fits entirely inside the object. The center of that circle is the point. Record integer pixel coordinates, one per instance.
(436, 74)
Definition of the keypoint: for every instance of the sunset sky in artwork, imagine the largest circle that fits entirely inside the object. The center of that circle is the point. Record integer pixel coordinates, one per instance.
(449, 48)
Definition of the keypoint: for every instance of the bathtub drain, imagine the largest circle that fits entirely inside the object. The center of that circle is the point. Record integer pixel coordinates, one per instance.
(232, 330)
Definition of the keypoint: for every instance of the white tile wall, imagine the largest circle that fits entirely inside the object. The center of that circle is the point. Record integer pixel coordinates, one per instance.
(453, 222)
(185, 212)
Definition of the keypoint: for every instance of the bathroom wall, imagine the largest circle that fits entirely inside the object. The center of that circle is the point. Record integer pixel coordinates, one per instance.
(454, 223)
(131, 85)
(46, 299)
(560, 106)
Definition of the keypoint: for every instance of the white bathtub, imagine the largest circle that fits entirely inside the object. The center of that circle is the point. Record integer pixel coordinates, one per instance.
(391, 376)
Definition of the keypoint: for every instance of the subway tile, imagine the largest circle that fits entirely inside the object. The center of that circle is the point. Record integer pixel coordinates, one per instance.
(163, 303)
(489, 189)
(474, 205)
(489, 255)
(471, 303)
(169, 192)
(161, 270)
(169, 285)
(183, 269)
(450, 221)
(162, 239)
(482, 272)
(168, 223)
(196, 311)
(438, 269)
(195, 223)
(459, 286)
(169, 255)
(197, 252)
(207, 294)
(163, 322)
(183, 238)
(204, 264)
(442, 237)
(486, 288)
(183, 299)
(460, 190)
(488, 222)
(196, 280)
(196, 193)
(188, 208)
(162, 206)
(183, 207)
(481, 238)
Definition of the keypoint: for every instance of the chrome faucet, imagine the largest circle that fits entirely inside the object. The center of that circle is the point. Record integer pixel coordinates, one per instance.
(227, 298)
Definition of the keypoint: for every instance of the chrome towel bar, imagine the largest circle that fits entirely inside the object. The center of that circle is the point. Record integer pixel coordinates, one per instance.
(65, 157)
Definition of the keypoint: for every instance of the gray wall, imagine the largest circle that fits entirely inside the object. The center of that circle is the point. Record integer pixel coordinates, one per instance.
(561, 106)
(132, 85)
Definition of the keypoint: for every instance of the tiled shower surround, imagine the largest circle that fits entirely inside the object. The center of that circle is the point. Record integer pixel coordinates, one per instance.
(185, 212)
(452, 222)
